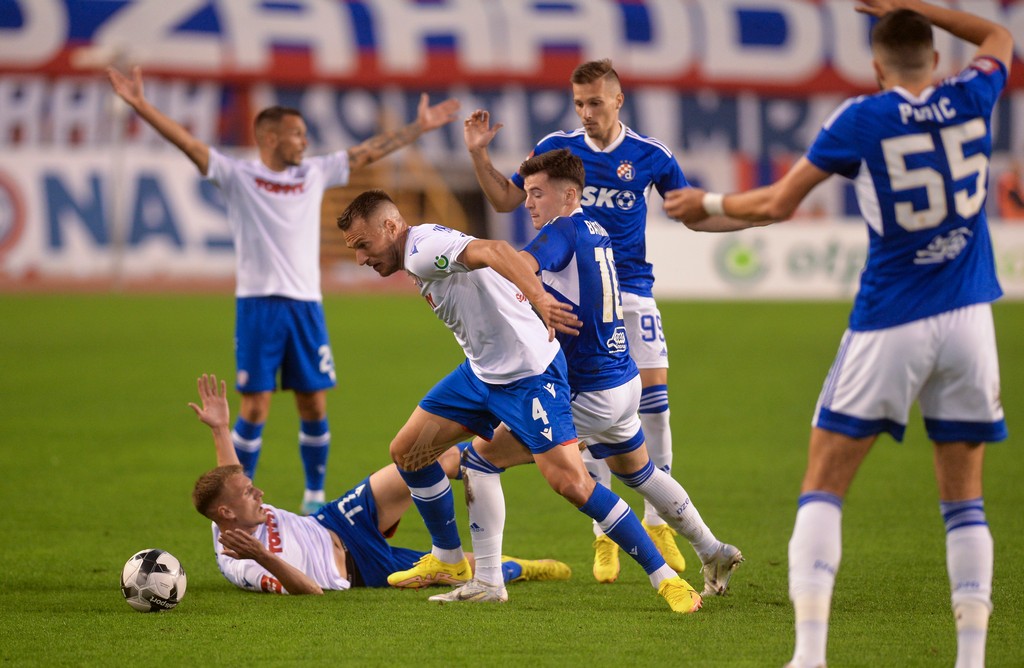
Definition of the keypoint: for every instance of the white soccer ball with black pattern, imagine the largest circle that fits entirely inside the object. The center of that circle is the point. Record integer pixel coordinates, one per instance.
(153, 580)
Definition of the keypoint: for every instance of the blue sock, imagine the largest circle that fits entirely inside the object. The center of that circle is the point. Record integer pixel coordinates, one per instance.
(620, 524)
(510, 570)
(314, 445)
(654, 399)
(247, 438)
(472, 460)
(433, 497)
(958, 514)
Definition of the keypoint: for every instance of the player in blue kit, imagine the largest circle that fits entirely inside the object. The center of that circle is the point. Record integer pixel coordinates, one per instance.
(575, 259)
(921, 326)
(622, 166)
(514, 373)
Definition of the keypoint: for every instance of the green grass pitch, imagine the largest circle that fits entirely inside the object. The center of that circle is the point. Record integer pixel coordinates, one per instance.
(99, 451)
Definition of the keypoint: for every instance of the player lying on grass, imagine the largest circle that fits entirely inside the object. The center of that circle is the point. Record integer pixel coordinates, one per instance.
(344, 544)
(573, 256)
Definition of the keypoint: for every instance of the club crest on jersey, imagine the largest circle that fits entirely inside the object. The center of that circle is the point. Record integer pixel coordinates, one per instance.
(441, 262)
(626, 171)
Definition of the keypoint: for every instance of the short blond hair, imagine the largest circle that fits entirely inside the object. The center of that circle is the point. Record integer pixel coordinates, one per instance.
(210, 486)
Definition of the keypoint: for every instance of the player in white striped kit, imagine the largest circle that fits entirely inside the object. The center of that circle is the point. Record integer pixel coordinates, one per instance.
(921, 326)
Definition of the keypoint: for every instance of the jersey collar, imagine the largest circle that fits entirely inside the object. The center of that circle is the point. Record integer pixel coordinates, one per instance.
(611, 147)
(910, 97)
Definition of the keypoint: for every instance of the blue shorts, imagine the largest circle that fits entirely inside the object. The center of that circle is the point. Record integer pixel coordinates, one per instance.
(273, 333)
(353, 516)
(536, 409)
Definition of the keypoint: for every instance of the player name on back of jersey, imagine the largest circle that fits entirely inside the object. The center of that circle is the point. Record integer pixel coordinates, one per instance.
(942, 110)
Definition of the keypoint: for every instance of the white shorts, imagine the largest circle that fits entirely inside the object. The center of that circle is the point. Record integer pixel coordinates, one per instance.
(646, 338)
(607, 420)
(947, 362)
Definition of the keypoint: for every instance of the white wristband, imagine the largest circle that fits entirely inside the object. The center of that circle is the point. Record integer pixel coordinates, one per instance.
(714, 204)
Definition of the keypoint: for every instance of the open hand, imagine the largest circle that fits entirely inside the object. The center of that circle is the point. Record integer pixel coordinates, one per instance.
(477, 130)
(214, 412)
(432, 117)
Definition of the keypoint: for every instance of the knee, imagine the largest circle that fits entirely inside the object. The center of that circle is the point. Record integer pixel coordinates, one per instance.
(575, 489)
(254, 408)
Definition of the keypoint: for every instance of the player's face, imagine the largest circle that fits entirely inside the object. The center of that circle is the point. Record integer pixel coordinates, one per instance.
(244, 500)
(597, 104)
(291, 140)
(546, 199)
(376, 244)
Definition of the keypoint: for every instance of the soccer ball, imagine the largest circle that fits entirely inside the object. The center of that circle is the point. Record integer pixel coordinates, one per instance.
(153, 580)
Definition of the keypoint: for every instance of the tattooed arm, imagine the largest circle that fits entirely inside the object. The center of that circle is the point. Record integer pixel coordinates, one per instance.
(498, 188)
(427, 118)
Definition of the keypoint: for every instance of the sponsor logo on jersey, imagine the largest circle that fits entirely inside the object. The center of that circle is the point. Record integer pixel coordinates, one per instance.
(609, 198)
(550, 387)
(944, 247)
(617, 342)
(280, 188)
(270, 584)
(986, 65)
(626, 171)
(273, 534)
(441, 262)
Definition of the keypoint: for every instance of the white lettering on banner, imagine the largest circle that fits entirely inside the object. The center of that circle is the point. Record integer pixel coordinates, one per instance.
(406, 26)
(44, 25)
(144, 33)
(793, 45)
(797, 56)
(669, 52)
(322, 27)
(587, 25)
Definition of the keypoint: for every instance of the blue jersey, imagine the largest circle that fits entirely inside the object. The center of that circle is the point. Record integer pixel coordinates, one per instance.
(577, 266)
(920, 167)
(619, 180)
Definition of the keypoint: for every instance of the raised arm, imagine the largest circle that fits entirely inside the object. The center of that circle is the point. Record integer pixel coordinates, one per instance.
(215, 414)
(502, 258)
(703, 211)
(991, 38)
(427, 118)
(498, 188)
(131, 91)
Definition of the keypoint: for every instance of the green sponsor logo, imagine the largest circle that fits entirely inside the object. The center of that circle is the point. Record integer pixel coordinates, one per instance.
(441, 262)
(740, 262)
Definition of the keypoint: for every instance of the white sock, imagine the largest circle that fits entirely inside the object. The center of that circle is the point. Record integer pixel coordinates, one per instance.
(674, 506)
(602, 475)
(486, 504)
(969, 557)
(814, 554)
(663, 573)
(658, 434)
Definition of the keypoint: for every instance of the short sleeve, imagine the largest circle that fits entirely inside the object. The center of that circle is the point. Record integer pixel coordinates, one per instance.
(432, 251)
(335, 168)
(221, 169)
(554, 245)
(835, 148)
(669, 175)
